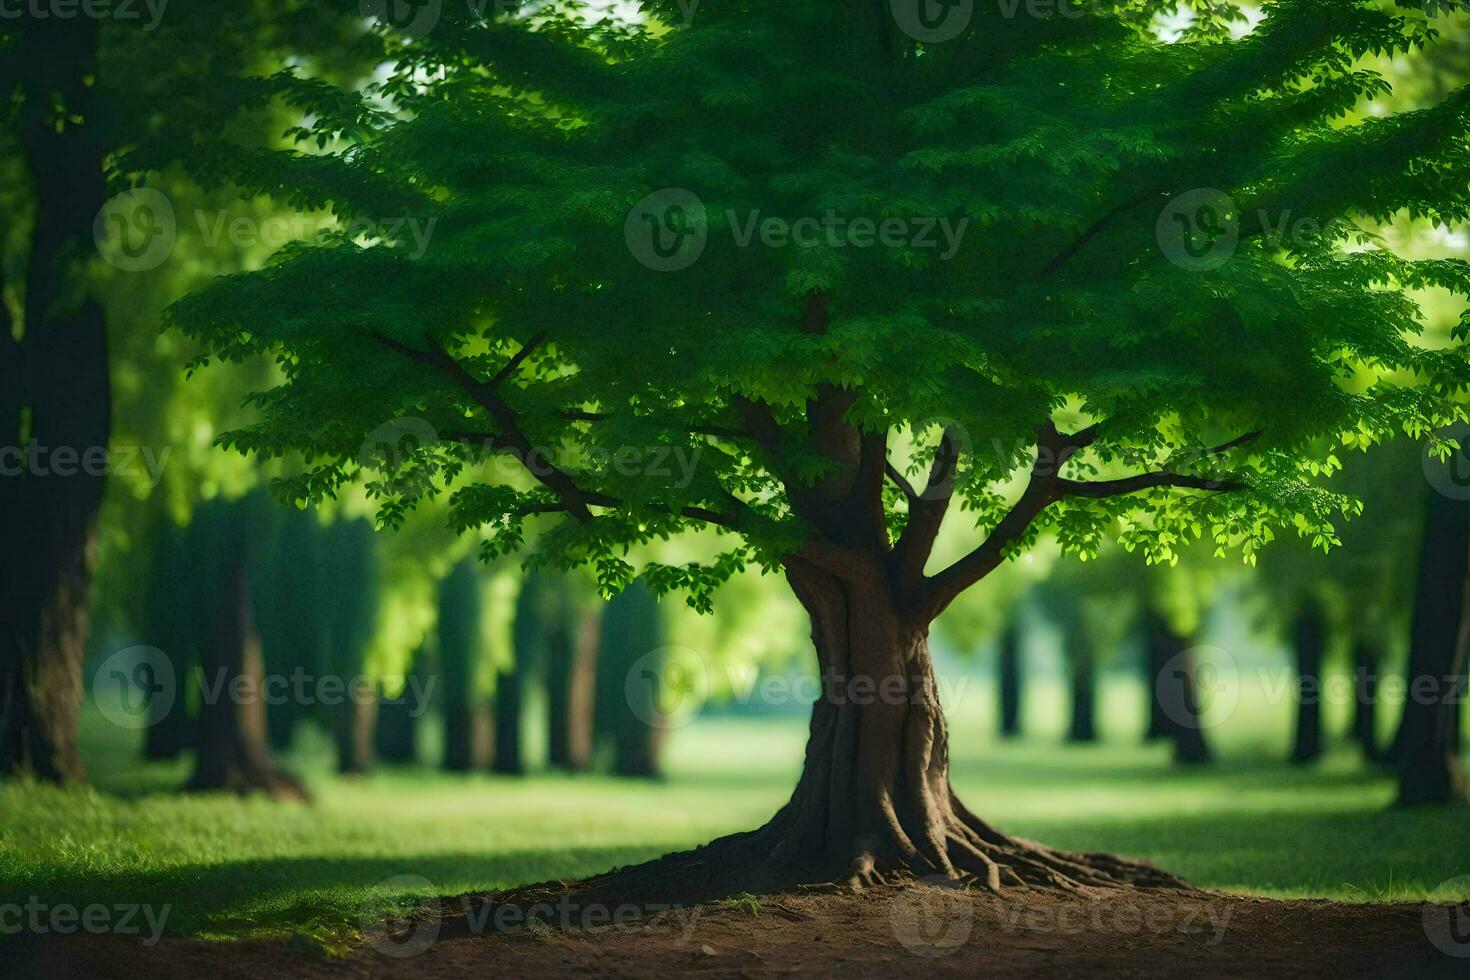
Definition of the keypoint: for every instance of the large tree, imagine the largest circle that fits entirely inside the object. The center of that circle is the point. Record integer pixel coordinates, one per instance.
(1086, 345)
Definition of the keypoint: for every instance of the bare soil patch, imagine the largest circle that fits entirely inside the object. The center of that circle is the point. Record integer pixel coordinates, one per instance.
(902, 930)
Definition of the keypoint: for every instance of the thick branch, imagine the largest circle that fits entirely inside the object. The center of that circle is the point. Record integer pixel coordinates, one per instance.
(512, 438)
(1044, 488)
(926, 512)
(516, 361)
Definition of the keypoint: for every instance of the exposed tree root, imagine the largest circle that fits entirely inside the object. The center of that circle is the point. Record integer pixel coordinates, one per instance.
(976, 856)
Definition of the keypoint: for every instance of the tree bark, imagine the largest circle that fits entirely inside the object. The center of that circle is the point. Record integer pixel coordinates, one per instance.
(59, 372)
(1308, 644)
(874, 797)
(1427, 746)
(233, 752)
(1009, 686)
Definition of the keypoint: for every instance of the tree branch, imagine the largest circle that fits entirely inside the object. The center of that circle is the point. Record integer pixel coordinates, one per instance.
(1044, 488)
(517, 360)
(926, 512)
(1066, 254)
(512, 438)
(901, 481)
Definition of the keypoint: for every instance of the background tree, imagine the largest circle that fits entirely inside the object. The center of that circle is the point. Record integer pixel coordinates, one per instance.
(296, 596)
(1427, 746)
(91, 103)
(233, 752)
(1113, 377)
(632, 638)
(461, 648)
(349, 570)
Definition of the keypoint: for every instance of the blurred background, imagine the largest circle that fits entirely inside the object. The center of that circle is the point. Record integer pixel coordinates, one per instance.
(386, 704)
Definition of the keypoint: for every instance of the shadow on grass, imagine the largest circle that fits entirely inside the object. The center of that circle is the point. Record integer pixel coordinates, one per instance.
(277, 896)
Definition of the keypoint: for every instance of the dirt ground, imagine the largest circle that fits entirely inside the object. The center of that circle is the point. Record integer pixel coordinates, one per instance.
(918, 930)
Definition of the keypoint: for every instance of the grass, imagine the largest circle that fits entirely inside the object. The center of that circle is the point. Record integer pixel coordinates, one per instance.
(230, 867)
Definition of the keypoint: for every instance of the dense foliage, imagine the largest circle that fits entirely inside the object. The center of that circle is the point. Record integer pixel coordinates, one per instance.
(1129, 272)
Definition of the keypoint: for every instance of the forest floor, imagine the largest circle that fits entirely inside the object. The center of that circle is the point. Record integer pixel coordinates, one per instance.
(248, 887)
(920, 930)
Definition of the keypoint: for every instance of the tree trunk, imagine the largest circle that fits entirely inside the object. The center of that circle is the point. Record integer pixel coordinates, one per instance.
(1365, 699)
(58, 385)
(356, 728)
(468, 736)
(233, 754)
(1308, 643)
(1156, 654)
(1176, 690)
(632, 638)
(509, 698)
(1083, 666)
(874, 797)
(397, 738)
(571, 682)
(1009, 671)
(1427, 747)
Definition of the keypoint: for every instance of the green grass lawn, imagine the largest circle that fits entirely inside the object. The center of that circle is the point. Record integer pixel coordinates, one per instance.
(231, 867)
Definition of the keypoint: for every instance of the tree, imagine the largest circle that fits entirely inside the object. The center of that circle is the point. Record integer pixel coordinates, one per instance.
(349, 571)
(171, 624)
(397, 738)
(461, 648)
(1427, 746)
(632, 639)
(295, 602)
(233, 748)
(1073, 359)
(93, 101)
(1009, 674)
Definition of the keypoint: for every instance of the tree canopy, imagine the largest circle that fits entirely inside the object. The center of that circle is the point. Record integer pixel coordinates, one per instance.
(707, 271)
